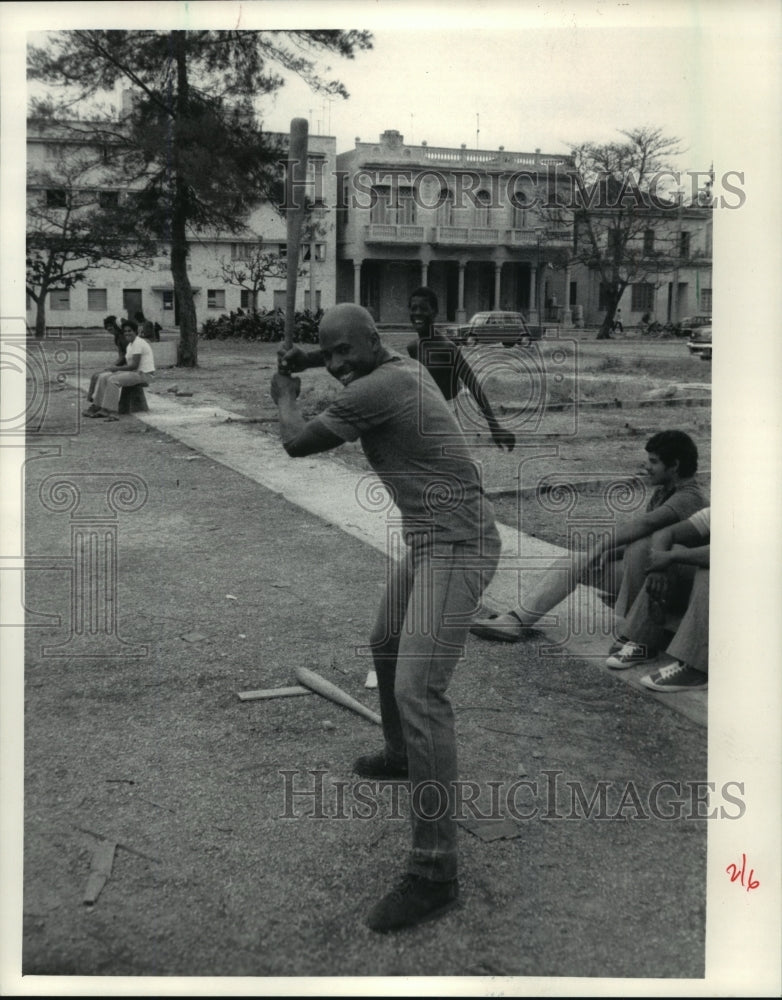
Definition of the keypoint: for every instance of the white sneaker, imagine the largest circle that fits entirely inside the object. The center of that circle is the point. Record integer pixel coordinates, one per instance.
(632, 654)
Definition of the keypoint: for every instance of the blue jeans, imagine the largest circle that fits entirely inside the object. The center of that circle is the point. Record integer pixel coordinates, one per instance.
(432, 592)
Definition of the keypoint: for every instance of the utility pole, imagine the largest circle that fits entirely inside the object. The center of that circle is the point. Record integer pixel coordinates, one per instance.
(313, 290)
(539, 289)
(674, 317)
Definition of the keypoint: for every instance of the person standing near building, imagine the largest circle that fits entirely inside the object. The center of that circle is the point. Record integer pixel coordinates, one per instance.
(450, 549)
(446, 364)
(146, 328)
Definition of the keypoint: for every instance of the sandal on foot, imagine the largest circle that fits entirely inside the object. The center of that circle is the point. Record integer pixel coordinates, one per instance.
(503, 628)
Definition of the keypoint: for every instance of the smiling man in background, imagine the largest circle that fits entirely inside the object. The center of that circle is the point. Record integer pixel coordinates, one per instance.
(446, 363)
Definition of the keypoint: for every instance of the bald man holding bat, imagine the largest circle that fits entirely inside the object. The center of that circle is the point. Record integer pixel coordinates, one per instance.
(449, 547)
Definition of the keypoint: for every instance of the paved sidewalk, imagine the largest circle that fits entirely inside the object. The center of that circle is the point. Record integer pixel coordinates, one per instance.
(578, 626)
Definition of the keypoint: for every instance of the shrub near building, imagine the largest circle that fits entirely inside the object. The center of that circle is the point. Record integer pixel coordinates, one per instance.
(264, 325)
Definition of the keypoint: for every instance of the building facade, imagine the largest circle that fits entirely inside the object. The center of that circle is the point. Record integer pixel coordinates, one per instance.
(674, 270)
(483, 228)
(471, 224)
(122, 291)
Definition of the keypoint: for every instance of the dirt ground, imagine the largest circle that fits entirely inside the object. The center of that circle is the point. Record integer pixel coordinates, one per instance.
(222, 587)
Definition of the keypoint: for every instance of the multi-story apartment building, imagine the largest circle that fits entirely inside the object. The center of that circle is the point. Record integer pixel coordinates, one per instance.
(123, 290)
(472, 224)
(672, 263)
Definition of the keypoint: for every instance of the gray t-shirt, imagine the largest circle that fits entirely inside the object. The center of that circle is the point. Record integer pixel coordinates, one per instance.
(417, 449)
(684, 501)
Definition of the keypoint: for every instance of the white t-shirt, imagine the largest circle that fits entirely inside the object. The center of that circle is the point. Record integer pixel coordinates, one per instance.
(146, 360)
(700, 520)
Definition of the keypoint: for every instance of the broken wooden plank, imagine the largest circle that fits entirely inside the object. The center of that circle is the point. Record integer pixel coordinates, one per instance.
(100, 870)
(125, 847)
(489, 828)
(281, 692)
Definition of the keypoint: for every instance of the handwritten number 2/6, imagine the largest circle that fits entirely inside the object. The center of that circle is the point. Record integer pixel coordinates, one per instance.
(738, 874)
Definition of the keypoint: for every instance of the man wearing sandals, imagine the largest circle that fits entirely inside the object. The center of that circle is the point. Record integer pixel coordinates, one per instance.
(138, 369)
(670, 466)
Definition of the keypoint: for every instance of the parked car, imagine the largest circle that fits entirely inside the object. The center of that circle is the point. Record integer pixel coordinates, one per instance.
(495, 327)
(697, 330)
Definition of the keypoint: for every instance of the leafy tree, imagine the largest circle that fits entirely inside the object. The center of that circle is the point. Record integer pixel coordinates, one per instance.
(73, 227)
(619, 196)
(250, 272)
(195, 154)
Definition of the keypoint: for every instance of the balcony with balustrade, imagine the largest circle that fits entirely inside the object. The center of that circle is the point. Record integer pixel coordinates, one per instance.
(397, 234)
(466, 236)
(558, 237)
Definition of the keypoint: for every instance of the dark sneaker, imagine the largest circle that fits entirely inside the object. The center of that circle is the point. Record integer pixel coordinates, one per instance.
(380, 768)
(676, 676)
(411, 902)
(632, 654)
(616, 646)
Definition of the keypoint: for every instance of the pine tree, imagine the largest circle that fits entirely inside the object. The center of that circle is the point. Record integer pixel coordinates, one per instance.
(195, 156)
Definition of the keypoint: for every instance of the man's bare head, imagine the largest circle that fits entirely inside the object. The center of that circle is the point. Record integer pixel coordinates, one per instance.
(349, 342)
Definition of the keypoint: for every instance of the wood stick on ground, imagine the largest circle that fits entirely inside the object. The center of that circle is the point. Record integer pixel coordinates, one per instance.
(100, 870)
(281, 692)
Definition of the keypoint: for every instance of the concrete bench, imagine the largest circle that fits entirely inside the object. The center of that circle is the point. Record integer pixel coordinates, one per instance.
(133, 400)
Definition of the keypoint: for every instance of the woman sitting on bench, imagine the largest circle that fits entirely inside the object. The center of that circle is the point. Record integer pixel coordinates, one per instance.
(138, 369)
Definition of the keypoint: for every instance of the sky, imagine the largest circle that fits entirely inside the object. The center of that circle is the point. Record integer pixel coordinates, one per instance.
(520, 75)
(524, 75)
(523, 88)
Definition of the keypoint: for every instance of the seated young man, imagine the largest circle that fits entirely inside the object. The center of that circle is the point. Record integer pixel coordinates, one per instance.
(138, 369)
(671, 462)
(111, 326)
(444, 361)
(672, 610)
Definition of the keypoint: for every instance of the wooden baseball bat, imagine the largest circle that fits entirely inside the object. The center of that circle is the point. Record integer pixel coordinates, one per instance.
(295, 179)
(281, 692)
(328, 690)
